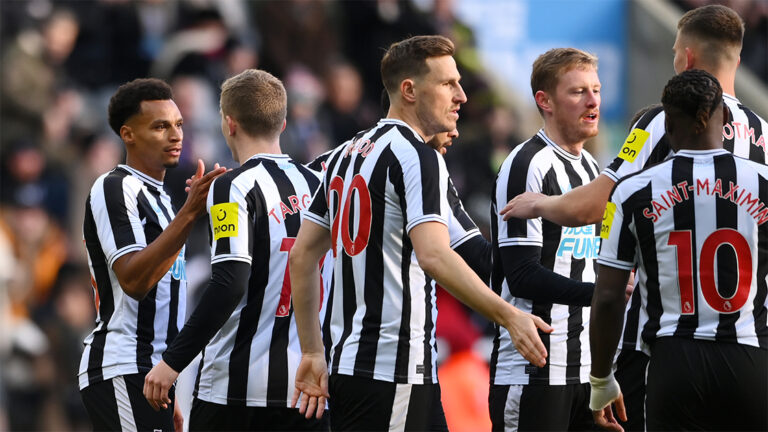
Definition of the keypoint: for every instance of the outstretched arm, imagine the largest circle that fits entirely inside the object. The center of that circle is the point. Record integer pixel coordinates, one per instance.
(312, 242)
(606, 319)
(431, 245)
(228, 284)
(583, 205)
(139, 271)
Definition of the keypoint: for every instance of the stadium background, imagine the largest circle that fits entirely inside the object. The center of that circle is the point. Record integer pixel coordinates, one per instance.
(61, 60)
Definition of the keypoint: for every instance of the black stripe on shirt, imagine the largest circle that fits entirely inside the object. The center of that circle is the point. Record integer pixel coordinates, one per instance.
(114, 198)
(277, 390)
(575, 319)
(239, 358)
(349, 296)
(103, 288)
(759, 312)
(725, 257)
(634, 206)
(756, 153)
(145, 324)
(373, 291)
(517, 181)
(685, 220)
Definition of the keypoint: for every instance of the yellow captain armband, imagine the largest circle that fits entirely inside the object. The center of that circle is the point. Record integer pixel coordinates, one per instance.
(605, 228)
(633, 144)
(224, 220)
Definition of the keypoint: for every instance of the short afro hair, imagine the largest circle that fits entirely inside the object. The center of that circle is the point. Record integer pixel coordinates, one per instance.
(695, 94)
(126, 102)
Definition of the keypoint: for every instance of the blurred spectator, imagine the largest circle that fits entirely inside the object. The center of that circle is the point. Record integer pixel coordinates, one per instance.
(40, 249)
(369, 27)
(31, 70)
(304, 136)
(344, 112)
(300, 31)
(27, 181)
(198, 48)
(66, 320)
(116, 40)
(97, 155)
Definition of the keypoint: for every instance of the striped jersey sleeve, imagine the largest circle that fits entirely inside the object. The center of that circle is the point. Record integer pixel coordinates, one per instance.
(646, 144)
(524, 170)
(118, 224)
(615, 230)
(228, 217)
(461, 227)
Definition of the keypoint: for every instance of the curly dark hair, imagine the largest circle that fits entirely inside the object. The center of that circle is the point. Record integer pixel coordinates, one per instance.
(695, 94)
(126, 102)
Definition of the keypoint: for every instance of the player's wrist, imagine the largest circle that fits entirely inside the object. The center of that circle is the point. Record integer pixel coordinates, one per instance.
(603, 391)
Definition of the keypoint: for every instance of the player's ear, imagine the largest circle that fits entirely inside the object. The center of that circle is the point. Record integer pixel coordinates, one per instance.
(690, 58)
(726, 114)
(408, 90)
(668, 125)
(543, 101)
(126, 134)
(231, 125)
(285, 122)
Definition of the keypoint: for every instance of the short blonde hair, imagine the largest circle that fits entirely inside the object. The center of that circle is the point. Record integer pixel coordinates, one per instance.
(550, 66)
(257, 100)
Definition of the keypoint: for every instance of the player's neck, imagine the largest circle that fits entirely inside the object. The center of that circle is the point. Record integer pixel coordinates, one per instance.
(726, 75)
(138, 165)
(246, 147)
(554, 134)
(410, 118)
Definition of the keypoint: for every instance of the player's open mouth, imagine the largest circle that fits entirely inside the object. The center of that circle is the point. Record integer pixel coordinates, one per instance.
(591, 117)
(176, 151)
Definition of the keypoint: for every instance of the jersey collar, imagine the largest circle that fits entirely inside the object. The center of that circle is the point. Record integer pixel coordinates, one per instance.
(559, 150)
(275, 157)
(401, 123)
(701, 153)
(733, 99)
(145, 178)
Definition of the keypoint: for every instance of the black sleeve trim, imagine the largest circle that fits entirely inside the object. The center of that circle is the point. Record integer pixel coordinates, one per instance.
(528, 279)
(226, 288)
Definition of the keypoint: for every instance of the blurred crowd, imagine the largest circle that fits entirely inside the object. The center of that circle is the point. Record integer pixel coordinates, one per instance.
(61, 60)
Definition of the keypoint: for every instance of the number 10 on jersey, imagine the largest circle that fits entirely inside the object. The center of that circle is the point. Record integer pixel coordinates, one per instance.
(682, 241)
(358, 187)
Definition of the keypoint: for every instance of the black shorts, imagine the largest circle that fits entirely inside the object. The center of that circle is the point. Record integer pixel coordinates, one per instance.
(362, 404)
(706, 385)
(631, 366)
(207, 416)
(118, 404)
(540, 407)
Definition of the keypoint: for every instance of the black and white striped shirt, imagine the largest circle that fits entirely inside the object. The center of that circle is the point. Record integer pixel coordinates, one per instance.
(696, 227)
(377, 187)
(540, 165)
(125, 211)
(745, 135)
(255, 214)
